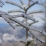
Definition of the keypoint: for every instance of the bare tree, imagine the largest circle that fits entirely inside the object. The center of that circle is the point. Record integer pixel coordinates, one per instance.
(24, 14)
(25, 8)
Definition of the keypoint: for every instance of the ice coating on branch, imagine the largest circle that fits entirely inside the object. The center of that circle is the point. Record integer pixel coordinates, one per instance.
(25, 6)
(29, 39)
(1, 3)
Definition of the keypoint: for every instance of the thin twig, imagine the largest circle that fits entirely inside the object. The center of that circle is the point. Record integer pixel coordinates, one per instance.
(34, 12)
(13, 11)
(32, 5)
(21, 2)
(14, 4)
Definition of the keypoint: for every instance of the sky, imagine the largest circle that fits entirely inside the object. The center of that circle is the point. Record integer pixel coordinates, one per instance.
(8, 7)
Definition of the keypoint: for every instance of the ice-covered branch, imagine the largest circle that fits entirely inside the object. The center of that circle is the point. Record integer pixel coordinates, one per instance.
(22, 24)
(21, 2)
(33, 23)
(1, 3)
(28, 27)
(6, 18)
(15, 16)
(9, 2)
(43, 19)
(32, 4)
(12, 11)
(42, 41)
(25, 16)
(28, 41)
(29, 2)
(42, 4)
(39, 11)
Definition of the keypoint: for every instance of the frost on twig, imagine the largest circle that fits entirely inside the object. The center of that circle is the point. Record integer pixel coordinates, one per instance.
(10, 2)
(38, 11)
(32, 4)
(28, 41)
(13, 11)
(1, 3)
(22, 2)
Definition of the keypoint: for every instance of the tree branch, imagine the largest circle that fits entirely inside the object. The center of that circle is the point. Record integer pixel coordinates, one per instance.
(43, 19)
(8, 20)
(35, 12)
(15, 11)
(5, 17)
(1, 2)
(32, 5)
(21, 2)
(42, 4)
(25, 16)
(14, 4)
(42, 41)
(22, 24)
(33, 23)
(28, 2)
